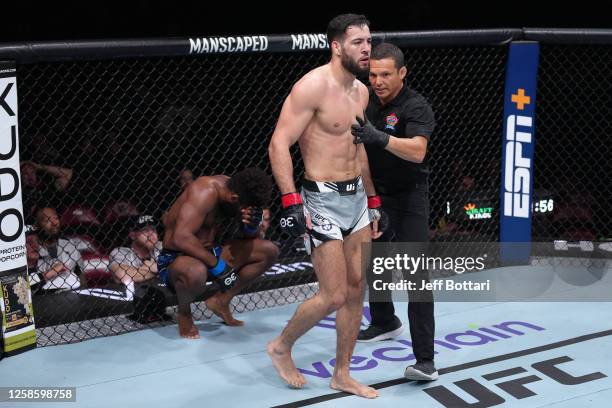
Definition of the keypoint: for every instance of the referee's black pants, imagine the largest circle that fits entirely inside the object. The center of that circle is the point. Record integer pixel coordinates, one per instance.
(408, 222)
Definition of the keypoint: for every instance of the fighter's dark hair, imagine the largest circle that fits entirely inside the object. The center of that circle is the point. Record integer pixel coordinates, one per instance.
(338, 25)
(387, 50)
(253, 187)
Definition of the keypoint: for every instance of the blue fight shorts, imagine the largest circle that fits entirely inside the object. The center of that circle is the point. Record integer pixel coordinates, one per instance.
(167, 256)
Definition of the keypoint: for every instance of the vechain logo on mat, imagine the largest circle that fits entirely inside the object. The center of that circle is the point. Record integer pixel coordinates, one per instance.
(400, 351)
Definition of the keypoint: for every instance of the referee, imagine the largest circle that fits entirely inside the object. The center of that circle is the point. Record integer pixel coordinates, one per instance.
(398, 125)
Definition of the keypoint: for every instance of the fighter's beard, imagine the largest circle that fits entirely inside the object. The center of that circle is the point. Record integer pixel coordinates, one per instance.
(353, 67)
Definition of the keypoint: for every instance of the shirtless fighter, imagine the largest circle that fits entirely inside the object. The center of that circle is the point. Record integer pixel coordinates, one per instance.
(191, 254)
(318, 114)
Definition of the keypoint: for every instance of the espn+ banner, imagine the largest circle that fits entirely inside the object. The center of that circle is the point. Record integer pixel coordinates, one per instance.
(518, 150)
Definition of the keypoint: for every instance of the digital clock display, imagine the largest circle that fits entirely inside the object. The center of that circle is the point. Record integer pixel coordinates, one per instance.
(543, 206)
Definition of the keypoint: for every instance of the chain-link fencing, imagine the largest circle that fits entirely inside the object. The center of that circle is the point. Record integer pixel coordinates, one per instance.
(107, 143)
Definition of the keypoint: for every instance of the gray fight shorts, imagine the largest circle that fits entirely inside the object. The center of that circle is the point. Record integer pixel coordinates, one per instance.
(337, 209)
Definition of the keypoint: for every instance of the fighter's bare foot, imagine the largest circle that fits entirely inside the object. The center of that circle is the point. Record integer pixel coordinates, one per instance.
(221, 307)
(350, 385)
(187, 328)
(284, 365)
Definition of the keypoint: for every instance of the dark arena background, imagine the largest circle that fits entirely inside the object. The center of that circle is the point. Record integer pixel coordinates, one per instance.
(125, 103)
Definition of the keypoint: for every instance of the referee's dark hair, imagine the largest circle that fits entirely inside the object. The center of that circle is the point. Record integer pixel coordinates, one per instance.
(387, 50)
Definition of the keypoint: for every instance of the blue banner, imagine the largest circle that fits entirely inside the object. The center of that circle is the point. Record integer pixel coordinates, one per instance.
(518, 142)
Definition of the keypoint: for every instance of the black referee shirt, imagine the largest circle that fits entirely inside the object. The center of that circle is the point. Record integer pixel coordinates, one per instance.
(408, 115)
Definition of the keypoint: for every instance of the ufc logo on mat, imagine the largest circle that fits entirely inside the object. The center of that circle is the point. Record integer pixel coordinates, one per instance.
(486, 397)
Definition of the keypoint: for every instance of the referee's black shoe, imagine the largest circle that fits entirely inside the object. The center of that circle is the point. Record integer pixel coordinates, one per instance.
(422, 371)
(379, 333)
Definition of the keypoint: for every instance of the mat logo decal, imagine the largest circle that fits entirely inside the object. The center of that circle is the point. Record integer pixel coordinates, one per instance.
(228, 44)
(400, 351)
(309, 42)
(487, 397)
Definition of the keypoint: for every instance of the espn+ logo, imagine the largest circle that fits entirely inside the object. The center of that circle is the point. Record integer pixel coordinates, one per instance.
(517, 171)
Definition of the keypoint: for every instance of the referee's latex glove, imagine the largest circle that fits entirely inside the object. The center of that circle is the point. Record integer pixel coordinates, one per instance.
(366, 133)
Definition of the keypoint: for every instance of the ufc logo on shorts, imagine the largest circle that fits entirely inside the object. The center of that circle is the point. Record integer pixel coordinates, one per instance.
(286, 222)
(228, 281)
(350, 187)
